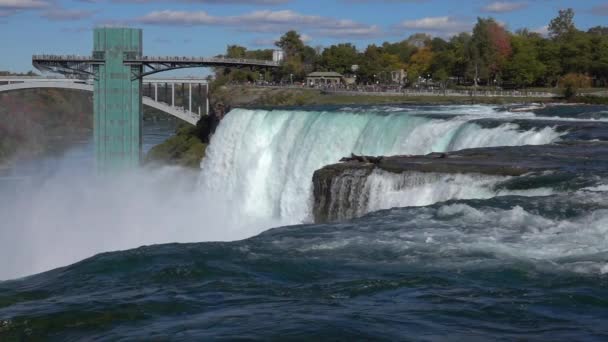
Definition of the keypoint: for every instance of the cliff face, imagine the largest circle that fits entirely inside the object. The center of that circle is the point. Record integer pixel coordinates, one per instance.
(364, 184)
(338, 190)
(31, 120)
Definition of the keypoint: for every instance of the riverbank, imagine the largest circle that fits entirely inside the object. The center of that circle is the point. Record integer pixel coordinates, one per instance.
(246, 97)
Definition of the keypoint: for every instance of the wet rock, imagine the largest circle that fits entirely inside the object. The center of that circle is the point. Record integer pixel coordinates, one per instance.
(339, 188)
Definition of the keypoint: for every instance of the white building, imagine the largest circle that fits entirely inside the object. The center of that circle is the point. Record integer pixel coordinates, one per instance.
(278, 55)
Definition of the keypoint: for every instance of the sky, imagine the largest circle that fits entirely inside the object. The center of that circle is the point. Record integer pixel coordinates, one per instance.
(206, 27)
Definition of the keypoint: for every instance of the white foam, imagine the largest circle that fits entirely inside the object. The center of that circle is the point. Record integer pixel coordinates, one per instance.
(460, 236)
(598, 188)
(264, 160)
(385, 190)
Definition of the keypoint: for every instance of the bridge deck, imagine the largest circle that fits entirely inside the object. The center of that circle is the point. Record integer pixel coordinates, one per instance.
(33, 82)
(152, 80)
(175, 60)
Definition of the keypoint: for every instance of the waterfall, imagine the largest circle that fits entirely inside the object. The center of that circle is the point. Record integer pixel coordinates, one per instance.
(356, 192)
(262, 161)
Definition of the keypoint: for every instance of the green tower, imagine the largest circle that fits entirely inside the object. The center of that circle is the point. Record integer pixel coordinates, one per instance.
(117, 99)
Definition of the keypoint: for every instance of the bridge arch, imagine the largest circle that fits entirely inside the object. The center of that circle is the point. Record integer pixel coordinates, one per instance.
(74, 85)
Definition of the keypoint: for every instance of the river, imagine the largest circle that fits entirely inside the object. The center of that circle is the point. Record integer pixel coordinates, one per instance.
(426, 257)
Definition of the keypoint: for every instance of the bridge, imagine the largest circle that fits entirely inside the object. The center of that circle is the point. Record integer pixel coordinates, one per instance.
(116, 73)
(151, 97)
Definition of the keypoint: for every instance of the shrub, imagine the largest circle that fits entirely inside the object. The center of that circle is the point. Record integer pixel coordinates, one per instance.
(572, 82)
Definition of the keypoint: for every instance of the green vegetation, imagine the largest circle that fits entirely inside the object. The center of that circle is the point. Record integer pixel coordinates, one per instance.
(187, 147)
(243, 96)
(489, 57)
(183, 149)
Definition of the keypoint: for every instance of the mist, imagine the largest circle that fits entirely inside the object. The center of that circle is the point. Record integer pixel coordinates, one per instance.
(71, 215)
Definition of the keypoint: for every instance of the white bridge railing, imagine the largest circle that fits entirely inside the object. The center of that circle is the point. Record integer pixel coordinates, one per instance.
(10, 83)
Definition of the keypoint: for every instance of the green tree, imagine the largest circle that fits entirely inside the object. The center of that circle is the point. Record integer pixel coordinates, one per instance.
(562, 25)
(420, 64)
(524, 68)
(599, 59)
(291, 43)
(310, 58)
(376, 65)
(459, 50)
(403, 49)
(339, 58)
(236, 51)
(598, 30)
(549, 54)
(575, 53)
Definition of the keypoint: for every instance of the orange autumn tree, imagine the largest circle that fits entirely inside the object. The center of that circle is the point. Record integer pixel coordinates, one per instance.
(501, 47)
(489, 51)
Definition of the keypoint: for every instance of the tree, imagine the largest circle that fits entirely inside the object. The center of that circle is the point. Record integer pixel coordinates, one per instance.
(443, 65)
(571, 83)
(524, 69)
(489, 49)
(309, 58)
(549, 54)
(478, 51)
(459, 48)
(562, 25)
(403, 49)
(599, 59)
(439, 45)
(419, 40)
(236, 51)
(501, 46)
(575, 53)
(598, 30)
(376, 64)
(420, 64)
(339, 58)
(291, 43)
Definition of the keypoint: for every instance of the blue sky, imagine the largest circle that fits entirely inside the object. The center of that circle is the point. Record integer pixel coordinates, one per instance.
(205, 27)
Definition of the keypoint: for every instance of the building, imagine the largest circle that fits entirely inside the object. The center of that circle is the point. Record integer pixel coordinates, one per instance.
(324, 78)
(399, 76)
(278, 55)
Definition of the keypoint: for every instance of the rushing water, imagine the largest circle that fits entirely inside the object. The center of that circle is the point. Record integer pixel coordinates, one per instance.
(461, 257)
(266, 159)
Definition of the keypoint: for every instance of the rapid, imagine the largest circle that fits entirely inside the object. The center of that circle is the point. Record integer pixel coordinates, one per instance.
(232, 252)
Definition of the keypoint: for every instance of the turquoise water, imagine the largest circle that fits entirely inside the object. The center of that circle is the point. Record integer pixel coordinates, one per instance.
(459, 259)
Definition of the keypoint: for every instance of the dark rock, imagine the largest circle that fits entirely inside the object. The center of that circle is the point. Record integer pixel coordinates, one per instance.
(362, 159)
(346, 180)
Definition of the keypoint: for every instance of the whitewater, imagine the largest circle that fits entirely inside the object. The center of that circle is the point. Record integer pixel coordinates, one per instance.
(264, 159)
(256, 175)
(421, 255)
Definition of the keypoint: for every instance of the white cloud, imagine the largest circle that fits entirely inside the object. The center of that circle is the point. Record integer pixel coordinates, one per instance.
(265, 21)
(305, 38)
(65, 14)
(218, 2)
(444, 25)
(168, 17)
(543, 30)
(504, 6)
(23, 4)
